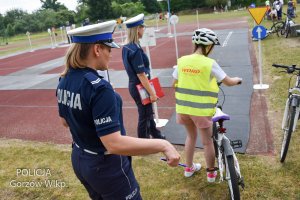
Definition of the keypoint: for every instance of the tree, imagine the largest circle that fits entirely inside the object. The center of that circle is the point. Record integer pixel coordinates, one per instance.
(81, 12)
(151, 6)
(13, 15)
(2, 27)
(122, 1)
(52, 4)
(10, 30)
(127, 9)
(1, 22)
(217, 3)
(99, 9)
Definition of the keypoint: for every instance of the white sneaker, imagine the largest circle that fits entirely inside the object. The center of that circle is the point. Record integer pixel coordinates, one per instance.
(189, 171)
(211, 176)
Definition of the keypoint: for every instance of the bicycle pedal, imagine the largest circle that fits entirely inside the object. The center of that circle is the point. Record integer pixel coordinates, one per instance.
(236, 144)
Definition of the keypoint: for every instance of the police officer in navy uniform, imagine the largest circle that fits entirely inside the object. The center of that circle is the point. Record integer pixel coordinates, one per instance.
(92, 111)
(136, 64)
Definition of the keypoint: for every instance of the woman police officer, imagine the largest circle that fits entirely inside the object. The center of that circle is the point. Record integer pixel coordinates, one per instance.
(92, 110)
(196, 94)
(137, 67)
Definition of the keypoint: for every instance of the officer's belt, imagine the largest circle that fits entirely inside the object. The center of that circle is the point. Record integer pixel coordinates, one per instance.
(89, 151)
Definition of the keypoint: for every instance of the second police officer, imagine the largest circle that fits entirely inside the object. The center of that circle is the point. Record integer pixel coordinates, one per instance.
(137, 67)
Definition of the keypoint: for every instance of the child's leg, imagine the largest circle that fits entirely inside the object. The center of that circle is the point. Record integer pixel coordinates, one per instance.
(209, 150)
(190, 143)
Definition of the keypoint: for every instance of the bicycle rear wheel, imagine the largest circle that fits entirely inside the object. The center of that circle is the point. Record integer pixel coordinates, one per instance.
(277, 27)
(287, 132)
(231, 177)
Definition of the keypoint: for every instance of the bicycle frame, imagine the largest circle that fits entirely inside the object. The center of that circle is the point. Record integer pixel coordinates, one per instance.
(293, 100)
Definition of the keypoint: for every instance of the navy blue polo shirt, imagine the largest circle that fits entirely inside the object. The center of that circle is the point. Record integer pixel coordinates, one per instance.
(135, 62)
(90, 106)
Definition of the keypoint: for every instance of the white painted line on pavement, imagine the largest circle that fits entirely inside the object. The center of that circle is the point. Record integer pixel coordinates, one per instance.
(227, 38)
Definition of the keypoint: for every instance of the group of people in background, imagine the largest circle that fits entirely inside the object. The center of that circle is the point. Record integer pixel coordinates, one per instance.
(274, 11)
(92, 110)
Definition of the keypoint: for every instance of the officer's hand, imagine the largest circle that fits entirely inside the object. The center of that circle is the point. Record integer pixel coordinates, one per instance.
(153, 98)
(172, 155)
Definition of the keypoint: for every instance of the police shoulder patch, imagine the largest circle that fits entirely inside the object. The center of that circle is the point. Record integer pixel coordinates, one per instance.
(95, 80)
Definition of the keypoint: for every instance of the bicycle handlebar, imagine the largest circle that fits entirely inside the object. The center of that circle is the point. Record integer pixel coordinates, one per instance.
(289, 69)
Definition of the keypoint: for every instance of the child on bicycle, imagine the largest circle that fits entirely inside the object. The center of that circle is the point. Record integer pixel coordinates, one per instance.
(195, 81)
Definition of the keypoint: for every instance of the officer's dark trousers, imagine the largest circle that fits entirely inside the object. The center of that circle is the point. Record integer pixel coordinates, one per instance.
(146, 123)
(108, 177)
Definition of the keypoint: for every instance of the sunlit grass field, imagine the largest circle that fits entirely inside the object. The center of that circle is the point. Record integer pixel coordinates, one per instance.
(265, 177)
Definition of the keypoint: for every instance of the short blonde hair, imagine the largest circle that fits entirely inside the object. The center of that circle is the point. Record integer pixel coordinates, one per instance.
(76, 56)
(132, 35)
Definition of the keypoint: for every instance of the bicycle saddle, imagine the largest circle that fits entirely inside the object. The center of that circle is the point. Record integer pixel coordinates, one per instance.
(220, 115)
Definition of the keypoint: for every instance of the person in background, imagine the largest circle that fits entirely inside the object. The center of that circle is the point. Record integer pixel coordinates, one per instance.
(278, 7)
(195, 82)
(294, 5)
(273, 14)
(267, 3)
(86, 22)
(92, 111)
(290, 9)
(137, 67)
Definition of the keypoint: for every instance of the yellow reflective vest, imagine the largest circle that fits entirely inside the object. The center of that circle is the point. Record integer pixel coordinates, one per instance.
(196, 93)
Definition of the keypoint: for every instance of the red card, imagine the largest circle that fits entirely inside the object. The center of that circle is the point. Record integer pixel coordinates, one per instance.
(145, 97)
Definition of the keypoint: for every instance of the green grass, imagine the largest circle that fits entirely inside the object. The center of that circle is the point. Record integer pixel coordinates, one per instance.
(265, 177)
(20, 43)
(192, 18)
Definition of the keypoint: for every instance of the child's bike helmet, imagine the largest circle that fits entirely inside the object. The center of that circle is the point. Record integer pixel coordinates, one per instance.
(205, 36)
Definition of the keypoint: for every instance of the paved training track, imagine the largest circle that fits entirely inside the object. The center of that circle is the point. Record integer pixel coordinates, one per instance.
(28, 81)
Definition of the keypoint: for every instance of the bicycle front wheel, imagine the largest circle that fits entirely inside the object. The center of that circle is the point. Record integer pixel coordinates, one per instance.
(287, 30)
(287, 132)
(231, 177)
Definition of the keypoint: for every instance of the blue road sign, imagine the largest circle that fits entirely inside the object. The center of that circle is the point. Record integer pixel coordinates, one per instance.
(259, 32)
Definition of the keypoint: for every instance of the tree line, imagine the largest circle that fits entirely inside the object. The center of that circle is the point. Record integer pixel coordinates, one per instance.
(54, 14)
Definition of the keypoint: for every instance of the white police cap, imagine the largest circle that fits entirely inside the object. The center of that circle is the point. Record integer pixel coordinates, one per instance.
(96, 33)
(135, 21)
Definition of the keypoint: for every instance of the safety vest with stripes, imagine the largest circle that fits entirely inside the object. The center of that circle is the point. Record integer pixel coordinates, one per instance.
(196, 93)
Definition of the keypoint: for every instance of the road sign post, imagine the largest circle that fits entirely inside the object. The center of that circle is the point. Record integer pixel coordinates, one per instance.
(259, 32)
(174, 20)
(197, 19)
(157, 20)
(50, 33)
(28, 35)
(61, 34)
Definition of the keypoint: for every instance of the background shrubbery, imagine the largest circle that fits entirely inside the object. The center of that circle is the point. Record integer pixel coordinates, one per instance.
(55, 14)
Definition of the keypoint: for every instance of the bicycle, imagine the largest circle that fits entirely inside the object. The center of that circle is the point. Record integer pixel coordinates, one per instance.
(226, 158)
(276, 27)
(291, 112)
(286, 30)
